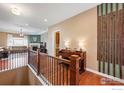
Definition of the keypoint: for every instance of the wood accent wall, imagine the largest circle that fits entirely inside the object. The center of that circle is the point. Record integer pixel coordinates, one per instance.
(3, 39)
(110, 38)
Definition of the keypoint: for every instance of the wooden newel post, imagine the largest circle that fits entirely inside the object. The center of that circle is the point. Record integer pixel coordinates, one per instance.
(28, 55)
(38, 61)
(74, 70)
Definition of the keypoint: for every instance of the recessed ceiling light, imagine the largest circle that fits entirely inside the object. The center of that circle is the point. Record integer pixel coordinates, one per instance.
(45, 20)
(15, 11)
(26, 24)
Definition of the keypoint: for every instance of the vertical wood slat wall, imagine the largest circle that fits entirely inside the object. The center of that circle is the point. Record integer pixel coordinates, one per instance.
(110, 39)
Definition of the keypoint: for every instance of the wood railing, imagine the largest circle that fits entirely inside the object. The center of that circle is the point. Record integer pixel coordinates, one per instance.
(55, 70)
(32, 59)
(11, 59)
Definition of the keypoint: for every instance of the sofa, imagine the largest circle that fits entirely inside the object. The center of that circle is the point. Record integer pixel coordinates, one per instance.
(3, 52)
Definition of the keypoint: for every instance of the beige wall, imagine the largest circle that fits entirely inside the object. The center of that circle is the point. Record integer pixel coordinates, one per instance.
(3, 39)
(78, 28)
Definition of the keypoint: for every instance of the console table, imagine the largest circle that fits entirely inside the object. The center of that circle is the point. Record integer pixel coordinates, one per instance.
(66, 54)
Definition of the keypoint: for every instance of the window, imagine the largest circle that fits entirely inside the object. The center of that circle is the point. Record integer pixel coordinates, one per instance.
(15, 41)
(19, 42)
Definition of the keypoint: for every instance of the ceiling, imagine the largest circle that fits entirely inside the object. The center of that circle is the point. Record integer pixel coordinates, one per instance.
(34, 14)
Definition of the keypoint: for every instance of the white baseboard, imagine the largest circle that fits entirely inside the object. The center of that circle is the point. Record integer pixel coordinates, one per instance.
(105, 75)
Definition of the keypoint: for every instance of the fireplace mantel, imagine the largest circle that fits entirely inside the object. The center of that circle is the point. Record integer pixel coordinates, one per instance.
(34, 44)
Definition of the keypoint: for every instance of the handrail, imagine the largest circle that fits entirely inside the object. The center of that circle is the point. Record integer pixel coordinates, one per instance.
(33, 51)
(63, 60)
(56, 70)
(13, 50)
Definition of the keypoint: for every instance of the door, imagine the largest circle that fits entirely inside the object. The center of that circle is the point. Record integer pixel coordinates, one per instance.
(57, 43)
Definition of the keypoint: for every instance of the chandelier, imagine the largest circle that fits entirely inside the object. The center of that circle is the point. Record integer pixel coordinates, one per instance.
(21, 32)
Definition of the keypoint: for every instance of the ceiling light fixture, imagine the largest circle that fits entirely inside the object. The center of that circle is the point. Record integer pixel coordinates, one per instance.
(21, 33)
(15, 11)
(45, 20)
(26, 24)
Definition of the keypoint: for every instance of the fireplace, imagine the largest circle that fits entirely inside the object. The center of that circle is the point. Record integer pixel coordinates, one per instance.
(34, 48)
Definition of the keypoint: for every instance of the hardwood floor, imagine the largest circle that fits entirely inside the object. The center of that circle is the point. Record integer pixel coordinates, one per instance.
(89, 78)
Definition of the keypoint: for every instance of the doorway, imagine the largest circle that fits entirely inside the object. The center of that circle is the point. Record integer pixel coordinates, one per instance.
(57, 43)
